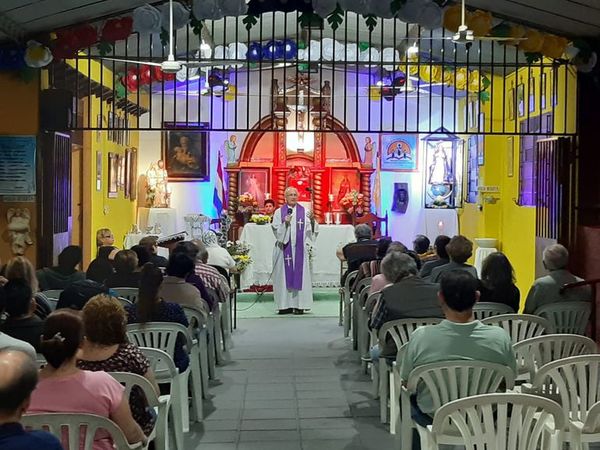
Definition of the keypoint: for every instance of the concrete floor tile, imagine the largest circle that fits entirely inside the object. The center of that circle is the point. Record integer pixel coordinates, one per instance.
(331, 444)
(271, 395)
(269, 435)
(327, 423)
(272, 403)
(287, 413)
(313, 413)
(322, 433)
(269, 424)
(220, 425)
(319, 386)
(324, 402)
(219, 436)
(222, 413)
(271, 445)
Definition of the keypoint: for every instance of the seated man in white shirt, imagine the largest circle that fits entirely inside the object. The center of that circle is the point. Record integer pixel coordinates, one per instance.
(546, 290)
(458, 337)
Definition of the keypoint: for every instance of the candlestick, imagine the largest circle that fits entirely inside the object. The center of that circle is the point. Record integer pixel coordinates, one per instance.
(267, 195)
(331, 198)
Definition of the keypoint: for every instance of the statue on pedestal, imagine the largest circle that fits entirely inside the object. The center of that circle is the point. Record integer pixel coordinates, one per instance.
(158, 192)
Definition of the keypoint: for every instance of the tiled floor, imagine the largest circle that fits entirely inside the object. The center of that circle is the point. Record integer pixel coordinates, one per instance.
(293, 384)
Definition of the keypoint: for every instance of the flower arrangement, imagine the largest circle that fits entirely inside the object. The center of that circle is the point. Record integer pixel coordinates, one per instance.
(247, 202)
(239, 251)
(260, 219)
(352, 202)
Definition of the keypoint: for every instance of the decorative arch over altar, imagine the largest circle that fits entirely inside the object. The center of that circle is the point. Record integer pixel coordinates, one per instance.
(332, 168)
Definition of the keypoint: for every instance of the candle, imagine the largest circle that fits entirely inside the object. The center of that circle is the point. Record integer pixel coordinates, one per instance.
(338, 218)
(331, 197)
(440, 227)
(267, 195)
(328, 218)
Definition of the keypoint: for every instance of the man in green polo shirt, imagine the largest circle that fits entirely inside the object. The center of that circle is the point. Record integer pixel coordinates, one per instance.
(458, 337)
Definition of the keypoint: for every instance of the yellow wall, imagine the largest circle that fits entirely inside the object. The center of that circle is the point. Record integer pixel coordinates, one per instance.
(511, 224)
(118, 213)
(18, 116)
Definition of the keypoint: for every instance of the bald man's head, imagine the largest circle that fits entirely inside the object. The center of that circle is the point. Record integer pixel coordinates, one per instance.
(18, 378)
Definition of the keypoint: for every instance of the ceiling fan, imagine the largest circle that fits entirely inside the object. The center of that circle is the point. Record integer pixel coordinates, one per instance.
(171, 65)
(465, 36)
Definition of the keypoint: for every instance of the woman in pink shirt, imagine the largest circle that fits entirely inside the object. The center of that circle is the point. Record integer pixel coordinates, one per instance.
(63, 388)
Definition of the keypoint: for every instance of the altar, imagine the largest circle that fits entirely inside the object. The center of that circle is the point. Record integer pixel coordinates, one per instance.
(325, 264)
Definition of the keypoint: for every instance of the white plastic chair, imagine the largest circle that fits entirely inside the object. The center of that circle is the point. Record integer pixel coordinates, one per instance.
(159, 433)
(346, 302)
(535, 352)
(497, 422)
(576, 382)
(483, 310)
(129, 293)
(199, 330)
(162, 336)
(216, 334)
(399, 331)
(567, 317)
(520, 326)
(53, 296)
(166, 372)
(447, 381)
(124, 301)
(76, 426)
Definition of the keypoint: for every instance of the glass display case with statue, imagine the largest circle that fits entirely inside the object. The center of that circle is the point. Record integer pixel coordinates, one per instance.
(443, 169)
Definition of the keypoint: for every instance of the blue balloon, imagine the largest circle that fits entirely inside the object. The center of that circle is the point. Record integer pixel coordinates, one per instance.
(273, 50)
(254, 53)
(290, 49)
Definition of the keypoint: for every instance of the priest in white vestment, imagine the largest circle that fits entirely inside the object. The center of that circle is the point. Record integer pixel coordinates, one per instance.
(294, 227)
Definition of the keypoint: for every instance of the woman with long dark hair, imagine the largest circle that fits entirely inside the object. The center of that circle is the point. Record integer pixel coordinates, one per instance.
(150, 307)
(497, 282)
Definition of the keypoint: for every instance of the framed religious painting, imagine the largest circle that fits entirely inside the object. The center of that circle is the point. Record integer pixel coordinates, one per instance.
(521, 99)
(256, 183)
(399, 152)
(132, 173)
(121, 176)
(510, 103)
(343, 182)
(113, 175)
(532, 96)
(185, 151)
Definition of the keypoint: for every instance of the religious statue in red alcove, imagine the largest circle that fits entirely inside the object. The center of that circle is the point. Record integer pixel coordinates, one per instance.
(299, 177)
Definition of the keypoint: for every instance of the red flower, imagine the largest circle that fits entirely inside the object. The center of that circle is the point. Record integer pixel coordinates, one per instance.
(145, 74)
(131, 80)
(85, 36)
(117, 29)
(65, 45)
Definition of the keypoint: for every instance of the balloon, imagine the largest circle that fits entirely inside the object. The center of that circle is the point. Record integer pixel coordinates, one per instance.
(515, 31)
(157, 73)
(219, 52)
(147, 19)
(452, 18)
(324, 7)
(339, 52)
(145, 74)
(230, 93)
(37, 55)
(554, 46)
(370, 55)
(375, 93)
(431, 16)
(181, 15)
(392, 55)
(272, 50)
(328, 44)
(132, 80)
(461, 78)
(254, 53)
(480, 22)
(290, 49)
(236, 50)
(533, 43)
(586, 66)
(351, 51)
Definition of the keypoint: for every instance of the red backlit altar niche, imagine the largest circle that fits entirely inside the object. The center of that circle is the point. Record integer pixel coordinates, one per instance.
(320, 157)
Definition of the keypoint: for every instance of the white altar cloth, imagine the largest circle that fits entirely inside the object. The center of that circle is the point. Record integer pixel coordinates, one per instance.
(165, 217)
(325, 264)
(440, 221)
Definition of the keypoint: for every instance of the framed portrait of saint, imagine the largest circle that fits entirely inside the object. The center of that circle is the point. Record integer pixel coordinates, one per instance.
(185, 151)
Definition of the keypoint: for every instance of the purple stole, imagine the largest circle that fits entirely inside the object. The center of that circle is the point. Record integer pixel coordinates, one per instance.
(294, 264)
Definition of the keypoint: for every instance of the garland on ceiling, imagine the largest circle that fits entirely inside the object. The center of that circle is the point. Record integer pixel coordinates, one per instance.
(429, 14)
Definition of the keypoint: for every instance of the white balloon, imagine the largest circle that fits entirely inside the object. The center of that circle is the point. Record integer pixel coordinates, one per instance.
(184, 73)
(369, 55)
(219, 52)
(588, 66)
(571, 51)
(411, 10)
(181, 15)
(390, 54)
(431, 16)
(324, 7)
(315, 51)
(340, 51)
(328, 49)
(302, 54)
(236, 50)
(351, 51)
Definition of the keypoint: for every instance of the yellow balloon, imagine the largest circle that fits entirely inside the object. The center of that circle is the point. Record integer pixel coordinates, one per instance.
(425, 74)
(515, 31)
(461, 79)
(475, 81)
(480, 22)
(452, 18)
(554, 46)
(375, 93)
(533, 43)
(230, 93)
